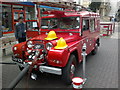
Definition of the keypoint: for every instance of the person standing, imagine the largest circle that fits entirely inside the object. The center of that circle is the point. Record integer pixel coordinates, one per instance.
(20, 30)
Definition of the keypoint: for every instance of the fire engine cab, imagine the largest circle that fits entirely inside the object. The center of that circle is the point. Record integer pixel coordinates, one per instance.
(58, 48)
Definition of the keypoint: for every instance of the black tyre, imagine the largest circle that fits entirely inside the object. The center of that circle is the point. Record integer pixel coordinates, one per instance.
(21, 68)
(95, 49)
(69, 70)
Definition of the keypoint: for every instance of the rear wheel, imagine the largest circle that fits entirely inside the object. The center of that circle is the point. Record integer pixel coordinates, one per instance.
(95, 49)
(69, 70)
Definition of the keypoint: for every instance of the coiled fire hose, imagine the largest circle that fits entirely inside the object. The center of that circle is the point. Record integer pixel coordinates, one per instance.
(18, 78)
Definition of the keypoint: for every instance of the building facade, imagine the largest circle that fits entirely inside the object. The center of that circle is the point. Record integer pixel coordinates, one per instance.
(118, 12)
(12, 11)
(85, 3)
(105, 8)
(0, 21)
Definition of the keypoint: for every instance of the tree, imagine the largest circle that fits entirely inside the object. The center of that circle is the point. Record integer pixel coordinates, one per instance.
(95, 6)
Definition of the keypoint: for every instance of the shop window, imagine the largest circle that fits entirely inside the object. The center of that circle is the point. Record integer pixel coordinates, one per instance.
(18, 7)
(96, 24)
(92, 25)
(30, 13)
(6, 18)
(17, 15)
(85, 25)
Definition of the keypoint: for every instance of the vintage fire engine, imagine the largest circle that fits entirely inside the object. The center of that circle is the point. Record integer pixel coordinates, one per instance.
(58, 48)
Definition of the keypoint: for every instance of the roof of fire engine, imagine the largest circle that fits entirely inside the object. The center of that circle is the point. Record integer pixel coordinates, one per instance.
(55, 13)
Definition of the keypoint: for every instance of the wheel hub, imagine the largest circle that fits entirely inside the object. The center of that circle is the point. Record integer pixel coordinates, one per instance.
(72, 69)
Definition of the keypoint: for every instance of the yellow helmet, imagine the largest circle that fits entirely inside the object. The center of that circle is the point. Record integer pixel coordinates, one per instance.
(61, 44)
(51, 35)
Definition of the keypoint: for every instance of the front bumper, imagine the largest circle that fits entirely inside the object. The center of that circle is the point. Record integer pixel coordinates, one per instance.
(52, 70)
(47, 69)
(19, 61)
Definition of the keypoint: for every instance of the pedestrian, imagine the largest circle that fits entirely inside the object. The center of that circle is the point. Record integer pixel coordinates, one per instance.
(113, 19)
(20, 30)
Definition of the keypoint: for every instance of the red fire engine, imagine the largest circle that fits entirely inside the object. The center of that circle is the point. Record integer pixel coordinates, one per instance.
(58, 48)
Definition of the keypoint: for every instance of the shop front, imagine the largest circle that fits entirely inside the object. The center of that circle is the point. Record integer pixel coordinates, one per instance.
(12, 11)
(28, 10)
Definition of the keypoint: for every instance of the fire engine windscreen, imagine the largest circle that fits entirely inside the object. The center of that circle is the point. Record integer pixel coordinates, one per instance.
(49, 23)
(63, 23)
(70, 23)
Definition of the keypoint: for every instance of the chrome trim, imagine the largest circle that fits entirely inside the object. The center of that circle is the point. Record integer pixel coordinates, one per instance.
(52, 70)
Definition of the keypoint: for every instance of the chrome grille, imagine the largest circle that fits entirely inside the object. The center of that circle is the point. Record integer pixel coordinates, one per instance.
(38, 44)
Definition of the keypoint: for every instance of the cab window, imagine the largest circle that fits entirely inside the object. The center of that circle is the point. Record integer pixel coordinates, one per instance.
(92, 25)
(85, 24)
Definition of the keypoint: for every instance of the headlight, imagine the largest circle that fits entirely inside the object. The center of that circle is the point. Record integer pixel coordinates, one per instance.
(49, 46)
(30, 44)
(15, 48)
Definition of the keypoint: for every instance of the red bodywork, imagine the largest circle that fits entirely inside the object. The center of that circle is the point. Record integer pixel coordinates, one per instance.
(74, 41)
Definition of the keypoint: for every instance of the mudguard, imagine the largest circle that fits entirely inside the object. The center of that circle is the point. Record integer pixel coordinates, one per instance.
(60, 55)
(20, 48)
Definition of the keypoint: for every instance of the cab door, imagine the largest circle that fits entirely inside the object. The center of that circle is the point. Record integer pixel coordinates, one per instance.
(94, 30)
(93, 33)
(86, 33)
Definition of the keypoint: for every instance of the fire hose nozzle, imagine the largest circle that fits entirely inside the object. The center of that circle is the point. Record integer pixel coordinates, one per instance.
(33, 76)
(84, 47)
(84, 50)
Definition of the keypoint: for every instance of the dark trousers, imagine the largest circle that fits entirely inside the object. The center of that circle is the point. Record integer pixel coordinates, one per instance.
(21, 40)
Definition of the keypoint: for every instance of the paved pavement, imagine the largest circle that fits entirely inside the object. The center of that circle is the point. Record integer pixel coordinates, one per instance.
(116, 35)
(101, 70)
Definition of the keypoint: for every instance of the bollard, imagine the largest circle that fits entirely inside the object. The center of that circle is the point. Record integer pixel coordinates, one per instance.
(84, 61)
(77, 83)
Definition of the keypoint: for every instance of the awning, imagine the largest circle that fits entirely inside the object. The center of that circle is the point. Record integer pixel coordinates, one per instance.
(27, 3)
(42, 6)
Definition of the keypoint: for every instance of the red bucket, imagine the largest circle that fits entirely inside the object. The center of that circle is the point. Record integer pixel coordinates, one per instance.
(77, 82)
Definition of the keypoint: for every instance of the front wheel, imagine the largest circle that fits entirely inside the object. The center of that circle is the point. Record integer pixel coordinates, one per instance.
(69, 70)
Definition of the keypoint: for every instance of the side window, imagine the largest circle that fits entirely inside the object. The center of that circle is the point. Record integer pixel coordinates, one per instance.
(96, 24)
(32, 26)
(92, 25)
(85, 25)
